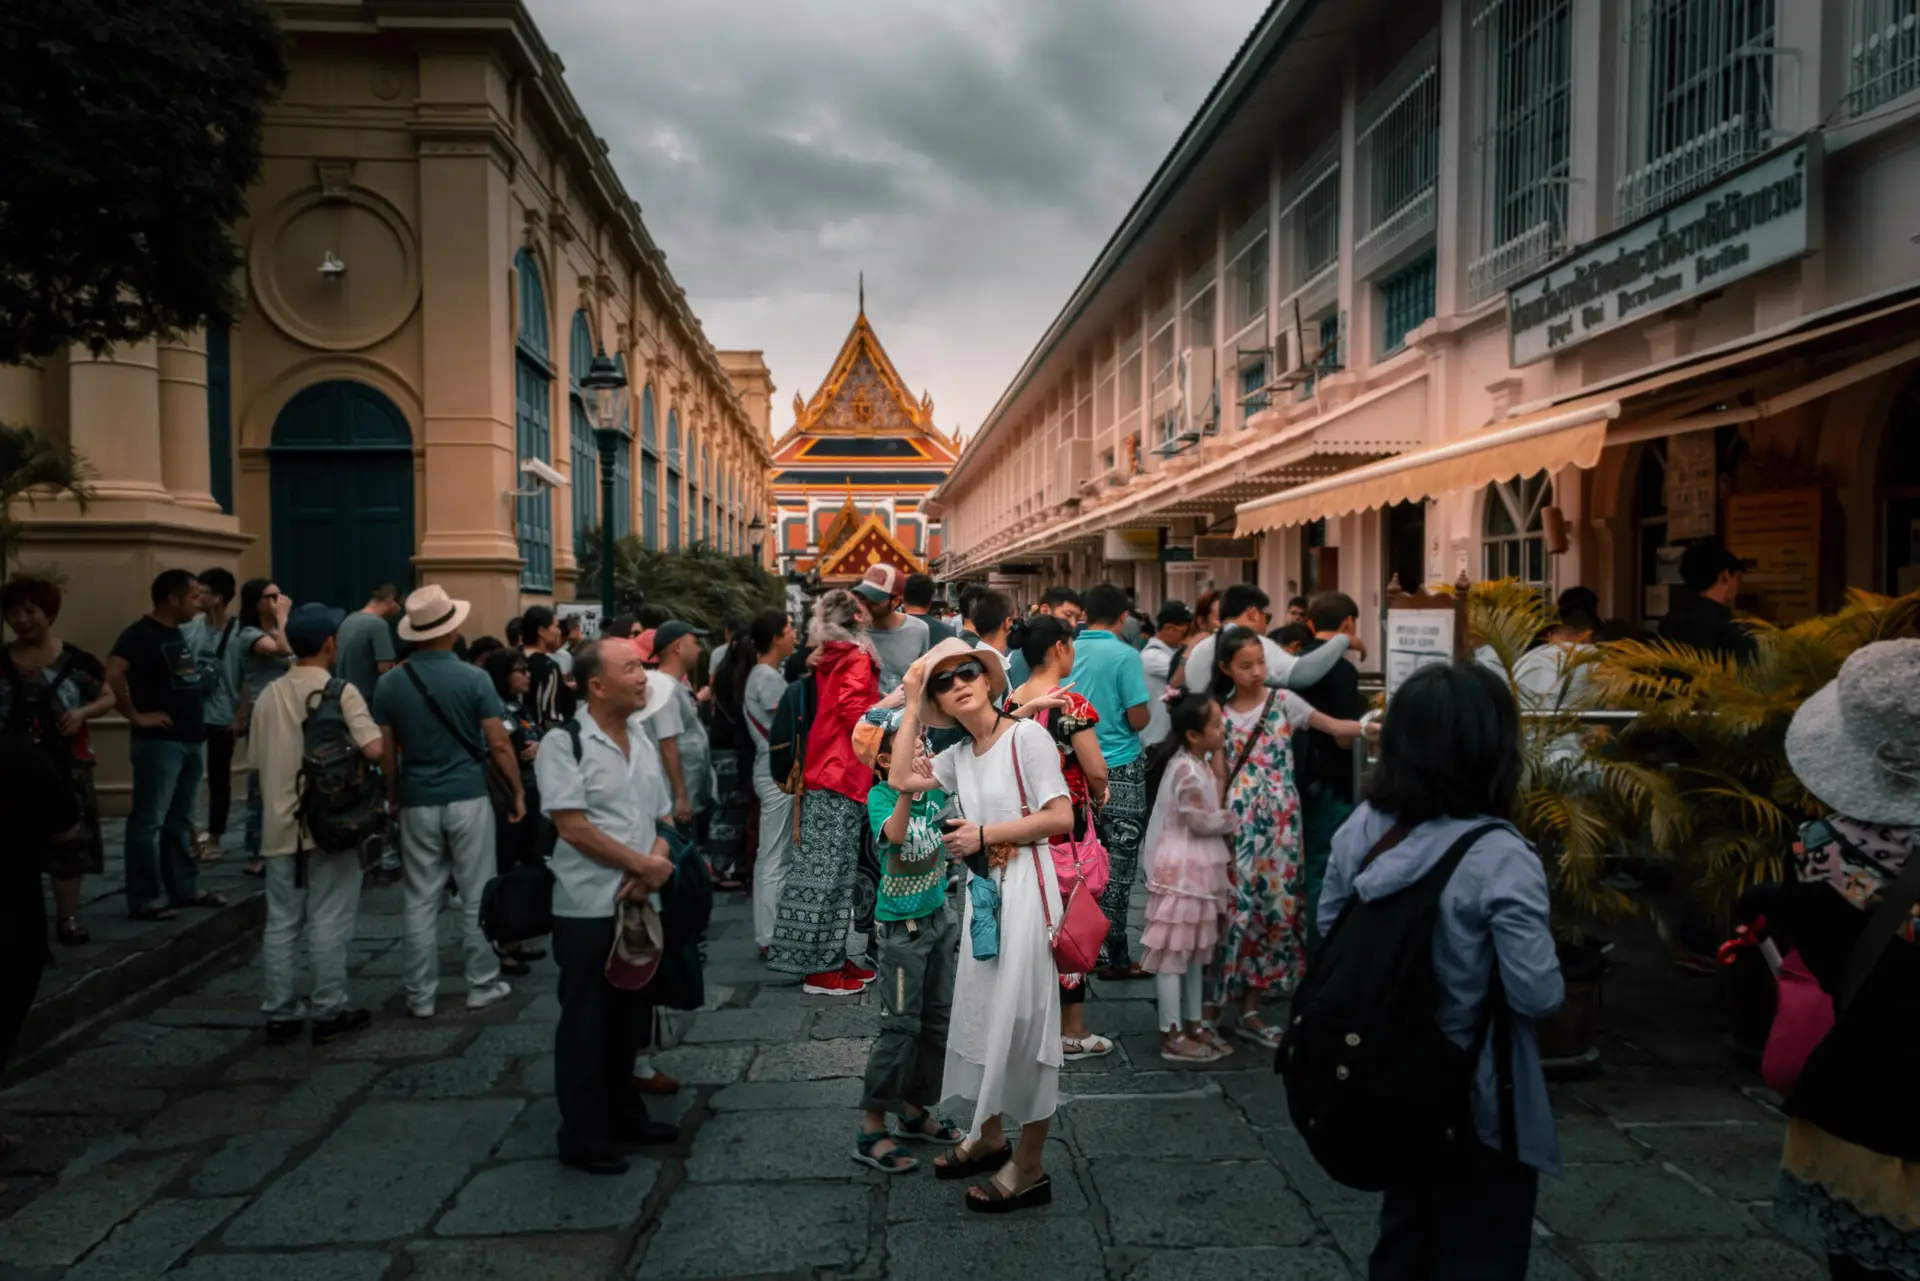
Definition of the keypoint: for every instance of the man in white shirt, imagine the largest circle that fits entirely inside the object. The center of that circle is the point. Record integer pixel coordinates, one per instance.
(1171, 626)
(606, 805)
(1244, 605)
(309, 891)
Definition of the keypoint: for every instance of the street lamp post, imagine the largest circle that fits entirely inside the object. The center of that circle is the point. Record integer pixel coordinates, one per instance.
(605, 383)
(756, 536)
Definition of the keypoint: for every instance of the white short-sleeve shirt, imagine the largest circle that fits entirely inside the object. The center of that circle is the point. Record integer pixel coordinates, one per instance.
(622, 794)
(1295, 708)
(985, 784)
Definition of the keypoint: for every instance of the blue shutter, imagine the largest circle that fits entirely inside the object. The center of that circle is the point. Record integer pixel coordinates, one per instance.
(1407, 300)
(533, 412)
(673, 480)
(623, 461)
(220, 416)
(586, 470)
(649, 473)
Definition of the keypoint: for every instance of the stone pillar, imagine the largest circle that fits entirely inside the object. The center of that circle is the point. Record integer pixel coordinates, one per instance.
(114, 421)
(185, 461)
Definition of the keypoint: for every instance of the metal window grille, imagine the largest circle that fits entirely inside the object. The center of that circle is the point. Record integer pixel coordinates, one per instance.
(1397, 152)
(1254, 396)
(1884, 54)
(1247, 272)
(1702, 91)
(1328, 330)
(649, 474)
(1406, 301)
(1513, 532)
(673, 480)
(1310, 232)
(1523, 50)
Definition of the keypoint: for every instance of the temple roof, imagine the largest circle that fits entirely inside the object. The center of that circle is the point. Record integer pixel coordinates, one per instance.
(865, 406)
(870, 544)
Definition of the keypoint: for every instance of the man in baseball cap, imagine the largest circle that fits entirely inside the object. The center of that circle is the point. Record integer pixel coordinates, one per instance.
(1702, 617)
(898, 637)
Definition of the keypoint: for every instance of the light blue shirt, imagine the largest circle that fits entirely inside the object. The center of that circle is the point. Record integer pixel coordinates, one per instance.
(1108, 673)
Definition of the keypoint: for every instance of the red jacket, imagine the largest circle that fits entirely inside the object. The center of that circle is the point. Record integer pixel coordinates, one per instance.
(848, 677)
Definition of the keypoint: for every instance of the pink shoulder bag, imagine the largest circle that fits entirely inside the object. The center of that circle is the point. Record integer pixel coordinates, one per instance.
(1083, 861)
(1083, 926)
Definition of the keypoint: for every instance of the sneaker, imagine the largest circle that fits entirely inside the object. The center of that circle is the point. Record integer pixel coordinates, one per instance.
(658, 1083)
(420, 1009)
(832, 983)
(342, 1024)
(858, 973)
(489, 994)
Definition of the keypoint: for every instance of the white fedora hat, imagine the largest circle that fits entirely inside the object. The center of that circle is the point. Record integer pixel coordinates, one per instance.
(1856, 743)
(431, 612)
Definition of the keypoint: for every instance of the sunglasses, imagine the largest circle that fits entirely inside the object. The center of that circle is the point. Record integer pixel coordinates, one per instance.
(969, 671)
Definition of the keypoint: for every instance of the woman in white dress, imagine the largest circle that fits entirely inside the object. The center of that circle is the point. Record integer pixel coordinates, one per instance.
(1003, 1047)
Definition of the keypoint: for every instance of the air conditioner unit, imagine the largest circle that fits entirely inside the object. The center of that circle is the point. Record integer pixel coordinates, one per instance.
(1297, 359)
(1197, 380)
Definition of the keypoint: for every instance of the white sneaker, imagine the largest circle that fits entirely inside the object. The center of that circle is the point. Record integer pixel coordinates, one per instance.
(487, 994)
(422, 1010)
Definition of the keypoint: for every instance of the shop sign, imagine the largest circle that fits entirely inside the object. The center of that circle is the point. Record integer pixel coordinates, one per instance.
(1422, 629)
(1779, 531)
(1130, 544)
(1753, 220)
(1693, 486)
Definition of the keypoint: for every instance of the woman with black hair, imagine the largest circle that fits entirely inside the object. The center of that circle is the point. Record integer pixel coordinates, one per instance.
(265, 656)
(516, 842)
(1046, 643)
(1265, 946)
(1450, 762)
(731, 749)
(761, 690)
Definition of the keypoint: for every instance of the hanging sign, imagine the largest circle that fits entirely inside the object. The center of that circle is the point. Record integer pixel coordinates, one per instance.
(1760, 216)
(1693, 486)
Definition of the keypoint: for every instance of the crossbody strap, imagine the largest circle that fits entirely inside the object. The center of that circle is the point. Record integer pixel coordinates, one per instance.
(1253, 739)
(445, 724)
(1885, 922)
(1020, 782)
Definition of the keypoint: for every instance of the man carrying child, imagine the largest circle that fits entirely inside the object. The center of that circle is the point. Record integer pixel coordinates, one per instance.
(916, 950)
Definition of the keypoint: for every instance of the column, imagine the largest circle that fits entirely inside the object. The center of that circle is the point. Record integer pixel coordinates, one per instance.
(185, 461)
(114, 412)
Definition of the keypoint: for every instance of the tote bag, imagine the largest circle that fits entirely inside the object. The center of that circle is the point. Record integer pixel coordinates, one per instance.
(1083, 861)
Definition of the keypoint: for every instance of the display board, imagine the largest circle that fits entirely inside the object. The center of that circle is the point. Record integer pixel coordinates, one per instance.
(587, 611)
(1780, 532)
(1693, 487)
(1421, 629)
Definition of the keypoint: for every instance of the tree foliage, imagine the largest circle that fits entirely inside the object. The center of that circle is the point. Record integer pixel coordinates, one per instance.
(29, 462)
(700, 586)
(131, 132)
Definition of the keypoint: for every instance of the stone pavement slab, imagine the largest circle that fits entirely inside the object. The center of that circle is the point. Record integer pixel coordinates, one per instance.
(982, 1245)
(537, 1196)
(1204, 1129)
(1608, 1203)
(751, 1147)
(58, 1228)
(748, 1025)
(308, 1265)
(245, 1161)
(1196, 1203)
(742, 1229)
(572, 1257)
(153, 1240)
(1739, 1162)
(1700, 1261)
(921, 1195)
(1217, 1263)
(810, 1060)
(755, 1096)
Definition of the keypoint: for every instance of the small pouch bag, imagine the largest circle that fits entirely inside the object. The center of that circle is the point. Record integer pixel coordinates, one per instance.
(984, 925)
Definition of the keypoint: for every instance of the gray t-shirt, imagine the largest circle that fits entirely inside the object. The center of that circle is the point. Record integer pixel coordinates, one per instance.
(695, 756)
(218, 649)
(764, 691)
(365, 642)
(257, 669)
(437, 768)
(898, 647)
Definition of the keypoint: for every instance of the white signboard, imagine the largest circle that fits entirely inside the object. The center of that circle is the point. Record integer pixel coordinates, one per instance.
(1749, 222)
(587, 611)
(1415, 639)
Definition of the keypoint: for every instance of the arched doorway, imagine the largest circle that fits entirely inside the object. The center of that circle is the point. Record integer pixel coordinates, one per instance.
(342, 486)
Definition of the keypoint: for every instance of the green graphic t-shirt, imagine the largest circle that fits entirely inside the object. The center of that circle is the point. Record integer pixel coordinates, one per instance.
(913, 875)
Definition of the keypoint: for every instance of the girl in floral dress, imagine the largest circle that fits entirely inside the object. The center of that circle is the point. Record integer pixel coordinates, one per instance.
(1047, 645)
(1265, 945)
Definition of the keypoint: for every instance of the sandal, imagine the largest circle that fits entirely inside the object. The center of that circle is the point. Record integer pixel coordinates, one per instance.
(206, 898)
(993, 1198)
(1219, 1044)
(1188, 1049)
(1255, 1030)
(956, 1164)
(73, 934)
(1090, 1046)
(894, 1160)
(1122, 973)
(154, 914)
(913, 1129)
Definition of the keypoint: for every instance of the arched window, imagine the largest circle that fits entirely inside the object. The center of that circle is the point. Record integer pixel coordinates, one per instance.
(623, 460)
(673, 480)
(586, 472)
(706, 495)
(533, 427)
(649, 473)
(1513, 536)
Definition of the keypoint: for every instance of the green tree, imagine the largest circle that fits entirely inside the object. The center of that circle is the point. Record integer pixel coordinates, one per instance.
(129, 133)
(29, 461)
(700, 586)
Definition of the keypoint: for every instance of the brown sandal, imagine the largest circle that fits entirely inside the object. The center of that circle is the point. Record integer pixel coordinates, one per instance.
(955, 1164)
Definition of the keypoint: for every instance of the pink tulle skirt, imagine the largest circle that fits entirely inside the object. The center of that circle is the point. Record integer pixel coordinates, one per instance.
(1188, 894)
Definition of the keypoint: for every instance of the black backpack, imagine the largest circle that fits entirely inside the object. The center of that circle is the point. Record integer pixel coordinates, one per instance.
(1378, 1091)
(787, 736)
(341, 802)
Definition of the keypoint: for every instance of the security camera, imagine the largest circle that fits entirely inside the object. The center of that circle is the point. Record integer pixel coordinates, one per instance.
(540, 474)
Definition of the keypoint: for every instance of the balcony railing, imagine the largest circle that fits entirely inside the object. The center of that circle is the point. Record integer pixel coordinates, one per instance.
(1397, 158)
(1884, 59)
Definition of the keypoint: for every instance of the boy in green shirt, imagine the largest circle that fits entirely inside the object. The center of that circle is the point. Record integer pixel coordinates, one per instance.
(917, 954)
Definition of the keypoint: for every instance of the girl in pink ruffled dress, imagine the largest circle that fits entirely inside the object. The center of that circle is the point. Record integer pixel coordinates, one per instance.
(1189, 874)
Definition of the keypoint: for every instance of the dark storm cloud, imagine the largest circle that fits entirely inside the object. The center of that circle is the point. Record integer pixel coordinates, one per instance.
(970, 157)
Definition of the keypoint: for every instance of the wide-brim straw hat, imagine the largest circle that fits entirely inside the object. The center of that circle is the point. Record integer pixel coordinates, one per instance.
(431, 613)
(1856, 743)
(946, 654)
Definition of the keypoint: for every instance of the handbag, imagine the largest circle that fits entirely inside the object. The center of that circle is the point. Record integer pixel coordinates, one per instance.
(500, 789)
(1083, 926)
(983, 927)
(1805, 1013)
(1080, 860)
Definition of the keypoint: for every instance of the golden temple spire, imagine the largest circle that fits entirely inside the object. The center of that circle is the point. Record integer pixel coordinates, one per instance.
(863, 293)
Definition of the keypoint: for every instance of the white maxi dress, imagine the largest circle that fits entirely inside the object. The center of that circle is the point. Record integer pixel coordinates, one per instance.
(1003, 1047)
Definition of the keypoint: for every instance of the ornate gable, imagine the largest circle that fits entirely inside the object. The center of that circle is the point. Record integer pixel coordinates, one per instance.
(871, 544)
(863, 395)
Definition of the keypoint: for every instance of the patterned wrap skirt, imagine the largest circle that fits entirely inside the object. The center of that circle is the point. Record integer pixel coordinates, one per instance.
(817, 899)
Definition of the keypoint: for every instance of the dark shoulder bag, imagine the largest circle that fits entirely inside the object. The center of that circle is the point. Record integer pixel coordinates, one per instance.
(500, 789)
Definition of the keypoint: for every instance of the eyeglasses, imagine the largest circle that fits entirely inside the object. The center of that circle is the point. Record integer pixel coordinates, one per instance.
(969, 671)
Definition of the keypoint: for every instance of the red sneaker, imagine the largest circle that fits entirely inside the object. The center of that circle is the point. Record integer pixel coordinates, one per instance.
(858, 975)
(658, 1083)
(832, 983)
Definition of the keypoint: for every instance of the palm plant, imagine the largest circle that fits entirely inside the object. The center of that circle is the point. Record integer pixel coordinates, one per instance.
(699, 586)
(31, 463)
(1716, 728)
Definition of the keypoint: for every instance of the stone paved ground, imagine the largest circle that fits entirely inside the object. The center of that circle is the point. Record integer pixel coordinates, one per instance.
(177, 1143)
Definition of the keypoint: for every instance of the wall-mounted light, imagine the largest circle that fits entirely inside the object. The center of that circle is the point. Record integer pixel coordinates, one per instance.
(331, 267)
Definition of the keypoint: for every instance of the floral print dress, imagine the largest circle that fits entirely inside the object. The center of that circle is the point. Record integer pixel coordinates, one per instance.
(1265, 944)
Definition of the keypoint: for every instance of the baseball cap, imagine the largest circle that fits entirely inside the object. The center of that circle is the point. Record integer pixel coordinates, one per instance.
(882, 582)
(1702, 564)
(1173, 613)
(669, 632)
(309, 626)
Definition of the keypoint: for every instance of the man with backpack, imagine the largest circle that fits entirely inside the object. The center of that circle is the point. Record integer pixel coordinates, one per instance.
(313, 744)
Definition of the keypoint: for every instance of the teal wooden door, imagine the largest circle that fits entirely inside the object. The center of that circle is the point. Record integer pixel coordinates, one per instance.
(342, 495)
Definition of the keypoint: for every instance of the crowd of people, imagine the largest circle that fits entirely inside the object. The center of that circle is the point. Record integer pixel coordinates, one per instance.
(930, 806)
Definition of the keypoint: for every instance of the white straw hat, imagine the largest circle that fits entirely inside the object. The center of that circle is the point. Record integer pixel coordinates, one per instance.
(949, 653)
(1856, 743)
(431, 612)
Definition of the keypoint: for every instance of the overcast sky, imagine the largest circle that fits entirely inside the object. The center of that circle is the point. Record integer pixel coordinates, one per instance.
(971, 156)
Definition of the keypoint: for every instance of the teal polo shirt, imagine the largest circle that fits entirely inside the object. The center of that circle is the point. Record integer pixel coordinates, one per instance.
(437, 768)
(1107, 672)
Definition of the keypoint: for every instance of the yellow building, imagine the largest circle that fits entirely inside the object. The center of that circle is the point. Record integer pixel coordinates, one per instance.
(435, 248)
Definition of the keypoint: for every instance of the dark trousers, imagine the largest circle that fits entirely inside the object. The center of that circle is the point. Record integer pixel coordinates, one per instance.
(219, 778)
(19, 980)
(917, 962)
(601, 1028)
(1469, 1221)
(866, 886)
(1322, 811)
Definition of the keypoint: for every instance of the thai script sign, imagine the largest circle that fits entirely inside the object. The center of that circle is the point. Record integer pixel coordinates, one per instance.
(1753, 220)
